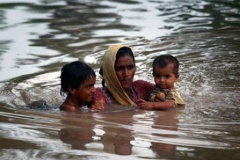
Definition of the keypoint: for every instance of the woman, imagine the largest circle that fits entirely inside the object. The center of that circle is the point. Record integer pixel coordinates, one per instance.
(118, 71)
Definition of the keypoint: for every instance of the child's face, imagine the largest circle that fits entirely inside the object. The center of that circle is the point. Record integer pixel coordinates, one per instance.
(86, 90)
(165, 77)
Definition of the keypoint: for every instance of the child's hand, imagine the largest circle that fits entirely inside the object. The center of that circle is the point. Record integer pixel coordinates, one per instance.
(160, 97)
(142, 104)
(98, 105)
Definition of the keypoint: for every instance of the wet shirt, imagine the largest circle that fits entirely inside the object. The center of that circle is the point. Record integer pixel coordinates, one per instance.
(166, 94)
(140, 90)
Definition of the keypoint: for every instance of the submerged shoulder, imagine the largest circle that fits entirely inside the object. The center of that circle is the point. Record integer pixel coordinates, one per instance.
(68, 107)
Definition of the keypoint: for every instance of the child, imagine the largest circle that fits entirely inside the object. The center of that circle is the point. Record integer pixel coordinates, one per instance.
(163, 95)
(77, 82)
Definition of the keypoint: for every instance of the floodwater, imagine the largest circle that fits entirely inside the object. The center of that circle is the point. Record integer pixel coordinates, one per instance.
(38, 37)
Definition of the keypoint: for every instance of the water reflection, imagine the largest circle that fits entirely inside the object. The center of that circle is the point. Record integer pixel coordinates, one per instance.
(77, 132)
(117, 136)
(122, 133)
(168, 122)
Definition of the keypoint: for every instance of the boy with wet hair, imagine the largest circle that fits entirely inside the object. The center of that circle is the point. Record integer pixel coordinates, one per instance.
(164, 94)
(77, 82)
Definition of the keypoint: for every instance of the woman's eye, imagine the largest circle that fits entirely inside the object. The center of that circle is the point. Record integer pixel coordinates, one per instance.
(130, 67)
(122, 68)
(118, 68)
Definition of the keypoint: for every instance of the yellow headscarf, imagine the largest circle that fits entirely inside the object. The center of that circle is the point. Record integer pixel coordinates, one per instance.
(110, 77)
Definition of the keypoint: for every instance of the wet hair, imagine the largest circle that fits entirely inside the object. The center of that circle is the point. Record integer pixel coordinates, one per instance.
(73, 75)
(124, 51)
(163, 60)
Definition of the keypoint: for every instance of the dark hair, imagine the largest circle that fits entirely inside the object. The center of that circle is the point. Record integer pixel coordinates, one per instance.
(124, 51)
(73, 75)
(164, 60)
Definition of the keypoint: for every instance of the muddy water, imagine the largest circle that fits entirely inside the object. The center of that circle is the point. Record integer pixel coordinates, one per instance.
(37, 38)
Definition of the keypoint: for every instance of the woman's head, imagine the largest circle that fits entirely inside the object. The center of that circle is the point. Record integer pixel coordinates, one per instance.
(125, 67)
(118, 71)
(125, 51)
(122, 52)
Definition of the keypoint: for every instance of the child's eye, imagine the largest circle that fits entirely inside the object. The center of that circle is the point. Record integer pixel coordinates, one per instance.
(90, 86)
(167, 76)
(157, 76)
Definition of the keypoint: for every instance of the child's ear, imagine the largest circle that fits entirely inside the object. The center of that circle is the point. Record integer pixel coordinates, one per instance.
(71, 90)
(177, 76)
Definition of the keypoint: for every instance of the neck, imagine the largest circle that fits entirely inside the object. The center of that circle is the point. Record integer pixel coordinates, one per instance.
(74, 102)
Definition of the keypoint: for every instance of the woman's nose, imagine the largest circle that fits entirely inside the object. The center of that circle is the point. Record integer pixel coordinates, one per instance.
(126, 71)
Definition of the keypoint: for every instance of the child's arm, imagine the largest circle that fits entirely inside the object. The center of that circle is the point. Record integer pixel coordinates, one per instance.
(142, 104)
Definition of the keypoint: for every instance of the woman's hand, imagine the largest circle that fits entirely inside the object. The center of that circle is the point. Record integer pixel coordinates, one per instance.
(142, 104)
(98, 105)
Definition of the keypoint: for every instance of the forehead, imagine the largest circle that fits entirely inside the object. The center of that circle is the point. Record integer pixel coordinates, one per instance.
(167, 69)
(89, 79)
(124, 60)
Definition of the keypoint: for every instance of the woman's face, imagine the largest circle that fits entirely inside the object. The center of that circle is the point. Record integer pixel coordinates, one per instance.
(125, 71)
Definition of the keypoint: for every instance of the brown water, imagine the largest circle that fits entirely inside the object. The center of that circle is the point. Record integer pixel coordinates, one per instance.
(38, 37)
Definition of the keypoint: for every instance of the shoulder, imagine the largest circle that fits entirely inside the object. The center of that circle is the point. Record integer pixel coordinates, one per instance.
(101, 91)
(142, 88)
(178, 98)
(67, 107)
(101, 95)
(142, 83)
